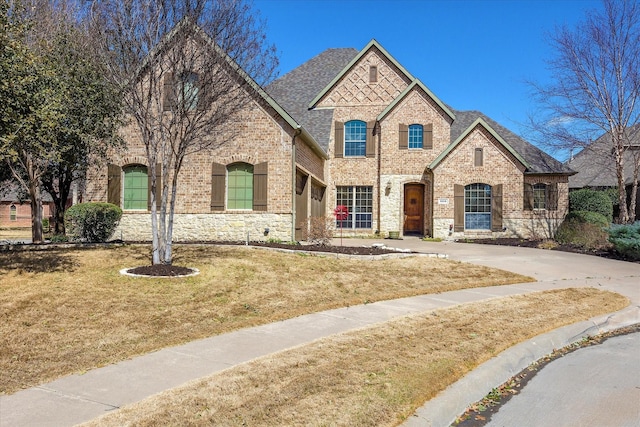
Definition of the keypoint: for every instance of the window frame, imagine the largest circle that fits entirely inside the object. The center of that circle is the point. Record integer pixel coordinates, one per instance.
(188, 96)
(359, 201)
(539, 196)
(355, 147)
(237, 203)
(414, 131)
(478, 206)
(13, 212)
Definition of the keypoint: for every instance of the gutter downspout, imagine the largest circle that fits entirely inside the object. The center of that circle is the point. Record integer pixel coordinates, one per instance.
(379, 178)
(293, 182)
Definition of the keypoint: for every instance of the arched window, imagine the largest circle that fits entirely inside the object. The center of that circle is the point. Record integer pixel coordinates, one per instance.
(415, 136)
(240, 186)
(136, 187)
(355, 138)
(477, 207)
(540, 196)
(13, 213)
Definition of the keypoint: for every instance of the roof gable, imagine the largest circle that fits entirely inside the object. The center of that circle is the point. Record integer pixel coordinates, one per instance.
(478, 122)
(372, 44)
(403, 95)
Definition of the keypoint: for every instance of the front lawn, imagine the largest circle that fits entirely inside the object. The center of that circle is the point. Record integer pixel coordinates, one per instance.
(66, 311)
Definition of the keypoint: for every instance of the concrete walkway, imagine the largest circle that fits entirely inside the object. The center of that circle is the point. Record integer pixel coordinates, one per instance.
(78, 398)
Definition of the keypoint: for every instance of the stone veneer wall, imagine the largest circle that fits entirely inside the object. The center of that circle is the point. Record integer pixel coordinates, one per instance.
(210, 227)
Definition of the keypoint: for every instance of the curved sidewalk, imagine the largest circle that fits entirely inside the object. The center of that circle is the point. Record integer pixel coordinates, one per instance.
(78, 398)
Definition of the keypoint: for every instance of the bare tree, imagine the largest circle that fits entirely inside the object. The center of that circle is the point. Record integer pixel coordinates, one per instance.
(185, 66)
(595, 87)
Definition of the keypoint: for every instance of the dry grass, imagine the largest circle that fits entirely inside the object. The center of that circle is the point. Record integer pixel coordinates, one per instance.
(66, 311)
(374, 376)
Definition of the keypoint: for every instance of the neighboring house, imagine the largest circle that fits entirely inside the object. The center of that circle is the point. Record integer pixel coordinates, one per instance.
(350, 128)
(596, 169)
(15, 209)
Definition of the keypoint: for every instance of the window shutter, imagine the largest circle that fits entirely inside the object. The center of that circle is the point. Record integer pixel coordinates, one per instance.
(403, 132)
(427, 143)
(477, 157)
(339, 139)
(496, 208)
(528, 197)
(158, 186)
(167, 91)
(370, 148)
(260, 186)
(218, 177)
(201, 101)
(458, 208)
(552, 197)
(114, 175)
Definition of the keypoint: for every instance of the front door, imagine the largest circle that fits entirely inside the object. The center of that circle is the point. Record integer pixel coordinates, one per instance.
(414, 208)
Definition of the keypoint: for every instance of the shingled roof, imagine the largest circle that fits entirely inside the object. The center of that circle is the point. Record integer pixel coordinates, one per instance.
(294, 90)
(297, 88)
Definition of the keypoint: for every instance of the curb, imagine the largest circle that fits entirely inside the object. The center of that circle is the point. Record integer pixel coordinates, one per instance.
(443, 409)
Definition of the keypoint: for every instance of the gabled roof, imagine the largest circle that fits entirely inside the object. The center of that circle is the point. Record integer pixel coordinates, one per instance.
(187, 24)
(532, 158)
(373, 43)
(399, 98)
(294, 90)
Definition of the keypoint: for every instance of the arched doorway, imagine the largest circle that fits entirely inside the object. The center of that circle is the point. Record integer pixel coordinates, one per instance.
(413, 209)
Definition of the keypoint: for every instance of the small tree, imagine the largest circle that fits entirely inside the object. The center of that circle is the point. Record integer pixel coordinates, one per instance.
(185, 66)
(596, 90)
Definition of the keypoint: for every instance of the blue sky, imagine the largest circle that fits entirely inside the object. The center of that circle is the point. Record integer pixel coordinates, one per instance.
(472, 54)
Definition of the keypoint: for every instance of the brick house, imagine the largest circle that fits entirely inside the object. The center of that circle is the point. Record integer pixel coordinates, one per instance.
(351, 128)
(15, 208)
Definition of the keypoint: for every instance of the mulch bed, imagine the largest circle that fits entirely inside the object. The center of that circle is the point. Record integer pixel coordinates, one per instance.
(163, 270)
(506, 241)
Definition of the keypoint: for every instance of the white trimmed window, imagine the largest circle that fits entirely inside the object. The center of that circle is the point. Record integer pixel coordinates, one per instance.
(359, 202)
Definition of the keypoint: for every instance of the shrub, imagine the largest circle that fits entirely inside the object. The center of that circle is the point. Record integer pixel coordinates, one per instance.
(92, 222)
(626, 239)
(320, 230)
(584, 229)
(592, 201)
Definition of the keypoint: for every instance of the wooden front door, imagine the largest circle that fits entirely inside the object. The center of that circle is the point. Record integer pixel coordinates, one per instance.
(414, 208)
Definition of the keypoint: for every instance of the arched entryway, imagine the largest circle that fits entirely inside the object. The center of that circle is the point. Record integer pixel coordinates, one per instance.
(413, 209)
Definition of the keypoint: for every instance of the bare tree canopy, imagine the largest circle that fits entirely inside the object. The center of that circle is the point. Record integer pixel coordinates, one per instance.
(595, 88)
(186, 67)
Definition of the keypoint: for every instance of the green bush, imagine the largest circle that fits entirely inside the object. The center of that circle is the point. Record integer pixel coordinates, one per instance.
(92, 222)
(584, 229)
(626, 239)
(592, 201)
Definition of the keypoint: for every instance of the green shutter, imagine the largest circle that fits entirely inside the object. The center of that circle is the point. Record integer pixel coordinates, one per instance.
(528, 197)
(427, 142)
(167, 92)
(339, 140)
(403, 137)
(218, 176)
(113, 184)
(370, 145)
(496, 208)
(260, 186)
(458, 208)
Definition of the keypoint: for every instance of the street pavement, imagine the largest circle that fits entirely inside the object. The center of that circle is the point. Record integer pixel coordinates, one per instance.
(78, 398)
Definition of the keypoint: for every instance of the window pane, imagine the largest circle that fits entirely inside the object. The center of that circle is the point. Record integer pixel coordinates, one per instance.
(415, 136)
(477, 207)
(359, 202)
(355, 138)
(240, 186)
(136, 187)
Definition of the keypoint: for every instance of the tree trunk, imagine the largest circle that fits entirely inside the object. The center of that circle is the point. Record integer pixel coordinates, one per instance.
(36, 212)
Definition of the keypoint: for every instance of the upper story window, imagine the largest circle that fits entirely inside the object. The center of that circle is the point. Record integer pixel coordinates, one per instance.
(13, 213)
(355, 138)
(240, 186)
(136, 187)
(415, 136)
(188, 95)
(182, 93)
(478, 157)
